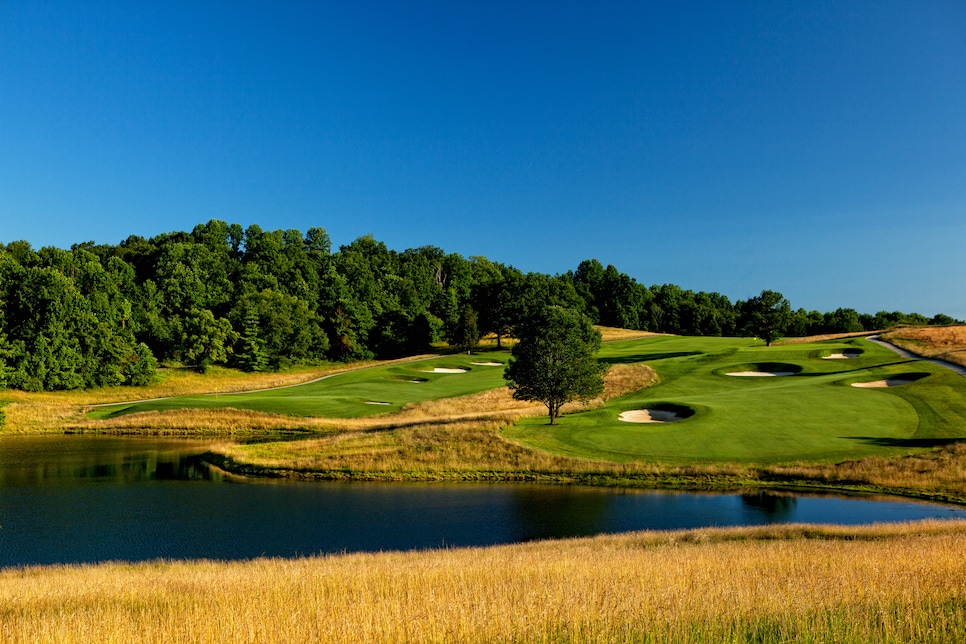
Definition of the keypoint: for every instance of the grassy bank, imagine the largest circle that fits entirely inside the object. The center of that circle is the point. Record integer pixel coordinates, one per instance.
(789, 583)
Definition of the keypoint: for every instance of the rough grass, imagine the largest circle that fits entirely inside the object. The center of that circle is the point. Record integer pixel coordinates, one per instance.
(476, 450)
(897, 583)
(614, 334)
(824, 337)
(944, 343)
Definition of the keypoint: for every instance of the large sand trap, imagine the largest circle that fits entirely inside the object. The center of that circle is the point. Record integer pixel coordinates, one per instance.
(447, 370)
(648, 416)
(760, 374)
(841, 356)
(487, 364)
(891, 382)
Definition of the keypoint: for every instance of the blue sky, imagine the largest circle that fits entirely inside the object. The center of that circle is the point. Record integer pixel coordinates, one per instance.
(814, 148)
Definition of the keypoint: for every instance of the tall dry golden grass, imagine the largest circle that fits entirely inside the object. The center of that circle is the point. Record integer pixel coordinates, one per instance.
(903, 583)
(823, 337)
(940, 473)
(944, 342)
(612, 334)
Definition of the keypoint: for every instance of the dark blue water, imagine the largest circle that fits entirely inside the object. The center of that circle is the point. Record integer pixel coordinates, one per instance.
(85, 499)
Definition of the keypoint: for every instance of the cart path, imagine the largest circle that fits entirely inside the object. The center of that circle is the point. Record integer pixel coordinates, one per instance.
(908, 354)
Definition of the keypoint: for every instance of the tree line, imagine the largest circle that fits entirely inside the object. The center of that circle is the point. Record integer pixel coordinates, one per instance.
(101, 315)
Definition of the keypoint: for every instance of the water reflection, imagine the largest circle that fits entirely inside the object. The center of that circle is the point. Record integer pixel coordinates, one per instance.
(559, 512)
(87, 499)
(53, 460)
(776, 507)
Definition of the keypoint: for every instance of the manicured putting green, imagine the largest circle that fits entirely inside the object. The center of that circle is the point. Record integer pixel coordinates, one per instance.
(809, 413)
(365, 392)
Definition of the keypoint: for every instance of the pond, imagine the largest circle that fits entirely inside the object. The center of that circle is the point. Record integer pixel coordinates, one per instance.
(76, 499)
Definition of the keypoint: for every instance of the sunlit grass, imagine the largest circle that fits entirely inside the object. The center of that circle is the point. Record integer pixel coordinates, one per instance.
(896, 583)
(378, 389)
(811, 416)
(52, 410)
(942, 342)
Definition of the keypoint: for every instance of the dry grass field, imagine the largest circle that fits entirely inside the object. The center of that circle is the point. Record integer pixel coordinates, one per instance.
(901, 583)
(822, 338)
(613, 334)
(943, 342)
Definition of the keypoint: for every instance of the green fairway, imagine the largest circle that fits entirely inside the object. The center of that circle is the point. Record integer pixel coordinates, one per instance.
(352, 394)
(813, 415)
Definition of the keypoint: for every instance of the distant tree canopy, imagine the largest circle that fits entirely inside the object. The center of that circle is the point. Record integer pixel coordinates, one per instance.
(103, 315)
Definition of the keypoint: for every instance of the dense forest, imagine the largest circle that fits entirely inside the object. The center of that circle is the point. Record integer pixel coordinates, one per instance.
(101, 315)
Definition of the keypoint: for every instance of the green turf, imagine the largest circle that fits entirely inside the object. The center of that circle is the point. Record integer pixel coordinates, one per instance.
(814, 415)
(349, 394)
(811, 416)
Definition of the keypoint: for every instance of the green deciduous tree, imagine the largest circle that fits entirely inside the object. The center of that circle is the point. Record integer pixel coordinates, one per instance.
(206, 339)
(555, 360)
(766, 315)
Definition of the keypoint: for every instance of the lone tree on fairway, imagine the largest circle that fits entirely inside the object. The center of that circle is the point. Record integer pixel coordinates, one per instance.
(555, 361)
(767, 315)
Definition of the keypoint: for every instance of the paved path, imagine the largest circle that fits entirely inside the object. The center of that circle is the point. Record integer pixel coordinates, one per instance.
(908, 354)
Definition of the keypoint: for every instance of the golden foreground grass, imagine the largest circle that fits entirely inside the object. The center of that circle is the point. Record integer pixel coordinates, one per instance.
(901, 583)
(944, 342)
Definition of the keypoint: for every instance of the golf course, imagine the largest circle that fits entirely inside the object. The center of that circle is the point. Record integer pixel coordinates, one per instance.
(352, 394)
(706, 413)
(711, 401)
(743, 402)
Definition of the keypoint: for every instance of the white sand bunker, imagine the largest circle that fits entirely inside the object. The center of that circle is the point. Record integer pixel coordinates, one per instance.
(376, 402)
(841, 356)
(487, 364)
(447, 370)
(760, 374)
(891, 382)
(648, 416)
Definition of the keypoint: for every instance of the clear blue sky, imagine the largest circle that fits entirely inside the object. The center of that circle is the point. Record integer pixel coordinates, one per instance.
(814, 148)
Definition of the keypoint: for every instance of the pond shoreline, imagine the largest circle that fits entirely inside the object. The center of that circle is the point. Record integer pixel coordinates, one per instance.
(669, 481)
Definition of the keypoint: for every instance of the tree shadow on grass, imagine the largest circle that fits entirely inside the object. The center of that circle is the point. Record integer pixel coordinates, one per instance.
(879, 441)
(647, 357)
